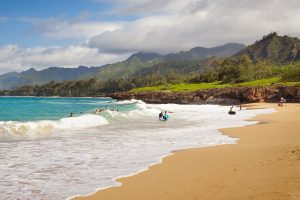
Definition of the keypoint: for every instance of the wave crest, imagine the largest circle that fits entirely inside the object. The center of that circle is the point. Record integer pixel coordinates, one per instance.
(12, 128)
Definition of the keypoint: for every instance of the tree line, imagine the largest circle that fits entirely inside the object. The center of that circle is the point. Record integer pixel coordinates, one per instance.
(227, 70)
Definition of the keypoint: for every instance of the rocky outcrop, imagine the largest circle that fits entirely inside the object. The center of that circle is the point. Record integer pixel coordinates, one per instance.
(230, 95)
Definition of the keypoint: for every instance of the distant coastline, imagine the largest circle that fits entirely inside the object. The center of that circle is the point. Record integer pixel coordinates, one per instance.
(220, 96)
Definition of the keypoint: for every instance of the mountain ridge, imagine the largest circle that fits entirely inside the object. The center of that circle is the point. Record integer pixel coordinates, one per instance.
(117, 70)
(225, 50)
(274, 49)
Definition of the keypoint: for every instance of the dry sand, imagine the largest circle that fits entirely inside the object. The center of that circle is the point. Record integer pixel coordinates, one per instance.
(264, 165)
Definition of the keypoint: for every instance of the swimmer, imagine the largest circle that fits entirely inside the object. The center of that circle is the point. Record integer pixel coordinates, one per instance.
(160, 116)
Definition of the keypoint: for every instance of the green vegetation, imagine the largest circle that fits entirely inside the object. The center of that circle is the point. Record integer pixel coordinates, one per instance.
(184, 87)
(65, 88)
(262, 82)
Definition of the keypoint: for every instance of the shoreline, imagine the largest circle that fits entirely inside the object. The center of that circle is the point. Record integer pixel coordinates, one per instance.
(146, 169)
(133, 181)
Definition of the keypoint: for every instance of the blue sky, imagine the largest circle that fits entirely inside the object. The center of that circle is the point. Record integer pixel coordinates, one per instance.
(16, 25)
(68, 33)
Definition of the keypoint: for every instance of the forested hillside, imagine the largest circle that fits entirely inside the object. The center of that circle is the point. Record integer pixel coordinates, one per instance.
(34, 77)
(274, 49)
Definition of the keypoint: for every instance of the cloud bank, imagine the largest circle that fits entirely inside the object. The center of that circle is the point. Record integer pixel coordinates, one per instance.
(190, 23)
(16, 58)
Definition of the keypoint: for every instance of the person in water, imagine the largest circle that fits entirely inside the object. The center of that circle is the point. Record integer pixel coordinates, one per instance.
(71, 115)
(231, 112)
(160, 116)
(165, 116)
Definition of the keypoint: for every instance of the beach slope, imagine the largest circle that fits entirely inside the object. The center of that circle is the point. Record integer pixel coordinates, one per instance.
(265, 165)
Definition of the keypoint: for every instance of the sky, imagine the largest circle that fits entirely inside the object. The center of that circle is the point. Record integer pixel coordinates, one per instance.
(69, 33)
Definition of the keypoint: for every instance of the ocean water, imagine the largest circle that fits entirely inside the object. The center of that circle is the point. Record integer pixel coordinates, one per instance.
(44, 154)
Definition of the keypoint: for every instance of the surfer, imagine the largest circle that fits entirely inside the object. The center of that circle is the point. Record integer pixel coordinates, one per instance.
(166, 116)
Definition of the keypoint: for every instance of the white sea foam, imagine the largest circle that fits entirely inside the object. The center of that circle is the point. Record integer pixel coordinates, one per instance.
(14, 129)
(83, 121)
(100, 148)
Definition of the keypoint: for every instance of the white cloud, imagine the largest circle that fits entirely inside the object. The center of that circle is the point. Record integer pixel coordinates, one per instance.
(76, 28)
(141, 7)
(16, 58)
(190, 23)
(146, 7)
(170, 26)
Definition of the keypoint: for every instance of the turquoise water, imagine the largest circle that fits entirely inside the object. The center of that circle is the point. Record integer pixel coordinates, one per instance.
(39, 108)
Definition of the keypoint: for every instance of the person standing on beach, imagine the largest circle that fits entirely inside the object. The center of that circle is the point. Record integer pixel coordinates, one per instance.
(241, 102)
(281, 101)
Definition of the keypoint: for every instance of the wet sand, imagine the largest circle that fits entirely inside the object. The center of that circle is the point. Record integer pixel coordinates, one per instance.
(265, 165)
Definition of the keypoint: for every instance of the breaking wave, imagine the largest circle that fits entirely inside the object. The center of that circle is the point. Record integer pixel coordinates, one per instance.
(11, 129)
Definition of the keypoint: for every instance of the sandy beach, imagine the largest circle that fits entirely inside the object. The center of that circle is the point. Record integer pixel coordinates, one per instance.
(265, 165)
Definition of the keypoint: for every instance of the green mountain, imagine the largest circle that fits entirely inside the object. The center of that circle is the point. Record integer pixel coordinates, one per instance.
(9, 79)
(128, 67)
(199, 53)
(141, 61)
(274, 49)
(34, 77)
(120, 70)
